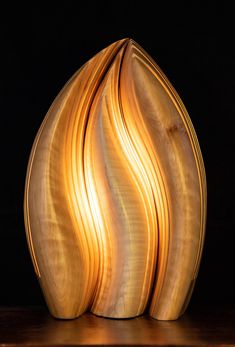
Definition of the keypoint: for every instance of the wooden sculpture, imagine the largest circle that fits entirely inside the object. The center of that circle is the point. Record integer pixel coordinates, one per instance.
(115, 196)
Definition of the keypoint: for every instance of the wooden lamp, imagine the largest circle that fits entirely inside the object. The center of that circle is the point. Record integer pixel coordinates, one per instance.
(115, 194)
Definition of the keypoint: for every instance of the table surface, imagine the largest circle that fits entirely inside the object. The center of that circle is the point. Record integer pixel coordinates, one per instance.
(198, 327)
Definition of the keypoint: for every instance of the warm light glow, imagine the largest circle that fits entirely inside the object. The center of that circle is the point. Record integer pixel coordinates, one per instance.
(115, 197)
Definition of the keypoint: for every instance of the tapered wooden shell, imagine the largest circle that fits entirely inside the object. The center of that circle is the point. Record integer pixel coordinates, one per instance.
(115, 196)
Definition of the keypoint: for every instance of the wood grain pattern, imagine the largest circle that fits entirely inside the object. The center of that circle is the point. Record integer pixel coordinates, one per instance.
(115, 196)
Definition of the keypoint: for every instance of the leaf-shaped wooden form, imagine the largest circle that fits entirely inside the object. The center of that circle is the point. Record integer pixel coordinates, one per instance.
(115, 197)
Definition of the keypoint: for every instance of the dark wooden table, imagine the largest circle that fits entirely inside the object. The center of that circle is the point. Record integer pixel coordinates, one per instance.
(198, 327)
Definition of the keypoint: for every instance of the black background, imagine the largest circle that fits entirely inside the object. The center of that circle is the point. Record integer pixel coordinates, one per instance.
(42, 47)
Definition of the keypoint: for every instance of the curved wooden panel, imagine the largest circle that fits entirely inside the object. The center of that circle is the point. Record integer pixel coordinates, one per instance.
(115, 197)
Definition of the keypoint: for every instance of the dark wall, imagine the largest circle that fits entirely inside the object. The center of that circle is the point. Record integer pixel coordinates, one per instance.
(42, 47)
